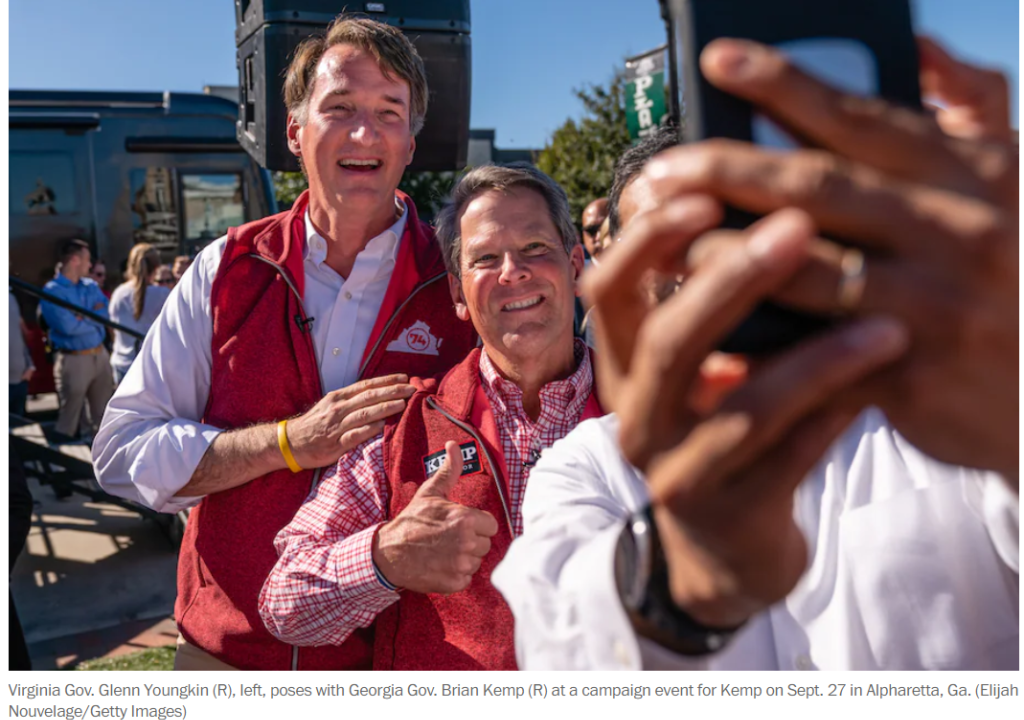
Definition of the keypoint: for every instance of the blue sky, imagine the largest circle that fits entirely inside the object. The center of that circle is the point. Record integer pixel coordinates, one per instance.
(528, 55)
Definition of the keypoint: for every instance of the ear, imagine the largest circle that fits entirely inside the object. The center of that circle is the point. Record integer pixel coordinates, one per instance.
(412, 150)
(455, 288)
(576, 260)
(294, 132)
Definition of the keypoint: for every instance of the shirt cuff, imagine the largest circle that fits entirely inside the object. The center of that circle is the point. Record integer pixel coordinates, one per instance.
(356, 571)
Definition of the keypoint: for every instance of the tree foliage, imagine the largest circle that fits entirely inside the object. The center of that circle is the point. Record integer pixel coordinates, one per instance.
(427, 189)
(581, 154)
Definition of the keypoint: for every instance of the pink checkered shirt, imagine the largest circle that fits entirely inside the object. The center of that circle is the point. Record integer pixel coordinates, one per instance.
(324, 586)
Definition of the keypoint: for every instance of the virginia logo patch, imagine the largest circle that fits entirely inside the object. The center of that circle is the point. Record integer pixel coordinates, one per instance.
(470, 459)
(417, 340)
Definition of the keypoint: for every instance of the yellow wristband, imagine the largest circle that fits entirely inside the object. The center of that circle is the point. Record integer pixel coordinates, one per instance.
(286, 450)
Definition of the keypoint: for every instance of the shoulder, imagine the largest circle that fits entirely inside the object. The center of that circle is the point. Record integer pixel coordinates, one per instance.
(157, 292)
(121, 293)
(589, 456)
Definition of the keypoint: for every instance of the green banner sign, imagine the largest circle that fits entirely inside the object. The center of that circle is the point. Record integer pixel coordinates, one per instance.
(645, 93)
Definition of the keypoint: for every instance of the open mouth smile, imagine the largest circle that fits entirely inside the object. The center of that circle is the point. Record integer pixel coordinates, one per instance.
(360, 165)
(523, 304)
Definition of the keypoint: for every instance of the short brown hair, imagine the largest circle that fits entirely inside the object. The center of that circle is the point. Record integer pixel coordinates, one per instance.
(396, 56)
(502, 178)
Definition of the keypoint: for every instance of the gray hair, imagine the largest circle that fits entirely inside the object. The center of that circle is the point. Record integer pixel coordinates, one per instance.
(501, 178)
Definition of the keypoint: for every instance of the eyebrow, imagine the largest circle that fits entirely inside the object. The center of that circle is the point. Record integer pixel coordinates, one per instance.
(341, 92)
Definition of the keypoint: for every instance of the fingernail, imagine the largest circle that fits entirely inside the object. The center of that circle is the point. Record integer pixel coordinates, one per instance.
(885, 336)
(732, 60)
(785, 236)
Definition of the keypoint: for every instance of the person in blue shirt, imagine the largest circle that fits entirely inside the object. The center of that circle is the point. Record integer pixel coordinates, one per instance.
(82, 369)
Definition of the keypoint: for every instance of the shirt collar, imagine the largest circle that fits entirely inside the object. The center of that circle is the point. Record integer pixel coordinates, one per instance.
(568, 396)
(380, 248)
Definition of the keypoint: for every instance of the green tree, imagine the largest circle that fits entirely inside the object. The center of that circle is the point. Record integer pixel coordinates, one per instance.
(582, 153)
(427, 189)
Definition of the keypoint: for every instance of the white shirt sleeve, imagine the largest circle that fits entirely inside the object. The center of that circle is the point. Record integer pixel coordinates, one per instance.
(151, 440)
(558, 577)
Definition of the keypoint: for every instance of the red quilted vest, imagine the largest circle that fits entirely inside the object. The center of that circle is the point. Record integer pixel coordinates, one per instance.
(472, 629)
(265, 369)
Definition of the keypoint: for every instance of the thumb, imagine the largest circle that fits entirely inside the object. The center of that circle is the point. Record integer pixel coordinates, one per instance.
(443, 481)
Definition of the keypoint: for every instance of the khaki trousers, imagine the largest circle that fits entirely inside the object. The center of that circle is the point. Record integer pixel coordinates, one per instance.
(81, 379)
(189, 657)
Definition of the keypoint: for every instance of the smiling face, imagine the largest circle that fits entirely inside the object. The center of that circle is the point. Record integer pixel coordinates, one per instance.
(518, 284)
(356, 140)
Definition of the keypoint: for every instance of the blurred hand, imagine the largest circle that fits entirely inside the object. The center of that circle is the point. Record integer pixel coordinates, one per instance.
(27, 375)
(344, 418)
(935, 216)
(435, 545)
(722, 476)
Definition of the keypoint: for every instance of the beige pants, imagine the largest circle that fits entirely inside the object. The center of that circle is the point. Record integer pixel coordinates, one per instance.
(189, 657)
(81, 379)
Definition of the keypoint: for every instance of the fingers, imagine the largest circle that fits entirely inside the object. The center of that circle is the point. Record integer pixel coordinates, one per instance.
(351, 391)
(781, 395)
(975, 102)
(354, 438)
(891, 138)
(484, 524)
(444, 480)
(680, 333)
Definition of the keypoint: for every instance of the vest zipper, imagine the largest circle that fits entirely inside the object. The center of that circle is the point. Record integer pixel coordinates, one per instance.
(394, 316)
(490, 463)
(319, 377)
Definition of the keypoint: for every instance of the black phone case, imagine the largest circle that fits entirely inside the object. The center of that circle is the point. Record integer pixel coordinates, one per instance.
(883, 26)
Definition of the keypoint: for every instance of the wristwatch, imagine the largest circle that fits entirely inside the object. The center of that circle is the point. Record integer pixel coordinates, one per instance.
(641, 575)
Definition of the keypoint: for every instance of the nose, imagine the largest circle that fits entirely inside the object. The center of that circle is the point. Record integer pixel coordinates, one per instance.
(363, 131)
(513, 269)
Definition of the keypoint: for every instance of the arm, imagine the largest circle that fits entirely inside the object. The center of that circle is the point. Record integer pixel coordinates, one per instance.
(558, 576)
(151, 440)
(323, 586)
(64, 321)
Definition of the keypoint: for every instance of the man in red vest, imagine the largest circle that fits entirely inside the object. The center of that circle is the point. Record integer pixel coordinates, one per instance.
(395, 536)
(287, 343)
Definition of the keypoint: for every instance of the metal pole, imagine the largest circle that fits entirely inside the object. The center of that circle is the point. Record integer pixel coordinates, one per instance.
(31, 289)
(673, 68)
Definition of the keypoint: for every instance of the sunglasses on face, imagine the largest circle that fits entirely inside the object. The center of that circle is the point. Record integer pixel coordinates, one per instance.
(592, 229)
(165, 281)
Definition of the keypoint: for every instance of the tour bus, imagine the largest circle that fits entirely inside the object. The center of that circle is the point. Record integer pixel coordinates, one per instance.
(120, 168)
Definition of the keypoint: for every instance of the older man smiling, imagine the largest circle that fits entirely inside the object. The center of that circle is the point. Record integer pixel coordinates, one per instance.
(396, 513)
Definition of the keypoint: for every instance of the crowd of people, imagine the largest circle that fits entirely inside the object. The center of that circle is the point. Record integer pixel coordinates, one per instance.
(477, 446)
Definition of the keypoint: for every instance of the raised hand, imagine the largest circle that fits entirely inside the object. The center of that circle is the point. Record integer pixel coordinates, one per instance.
(435, 545)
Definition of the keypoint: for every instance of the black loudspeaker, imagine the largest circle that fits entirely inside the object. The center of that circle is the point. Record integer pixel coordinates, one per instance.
(268, 31)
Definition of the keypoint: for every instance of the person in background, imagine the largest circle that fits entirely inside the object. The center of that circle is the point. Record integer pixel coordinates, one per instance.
(181, 264)
(98, 273)
(164, 277)
(404, 531)
(136, 303)
(20, 368)
(593, 217)
(82, 369)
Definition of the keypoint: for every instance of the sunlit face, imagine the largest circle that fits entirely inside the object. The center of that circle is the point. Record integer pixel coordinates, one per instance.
(356, 141)
(518, 284)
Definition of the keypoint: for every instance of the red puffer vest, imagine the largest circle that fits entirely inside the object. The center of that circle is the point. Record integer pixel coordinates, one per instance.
(472, 629)
(265, 369)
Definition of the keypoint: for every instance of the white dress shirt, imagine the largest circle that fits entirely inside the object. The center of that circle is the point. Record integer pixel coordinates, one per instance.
(913, 564)
(151, 439)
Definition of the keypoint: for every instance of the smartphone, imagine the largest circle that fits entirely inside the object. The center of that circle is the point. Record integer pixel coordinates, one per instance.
(864, 47)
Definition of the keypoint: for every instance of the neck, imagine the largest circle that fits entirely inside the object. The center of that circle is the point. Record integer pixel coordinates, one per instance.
(531, 374)
(348, 233)
(72, 275)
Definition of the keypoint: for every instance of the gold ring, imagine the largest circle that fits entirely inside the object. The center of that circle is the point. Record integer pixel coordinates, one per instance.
(854, 278)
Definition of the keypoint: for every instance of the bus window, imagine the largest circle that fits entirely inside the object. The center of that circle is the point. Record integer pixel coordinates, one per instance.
(213, 203)
(154, 215)
(42, 183)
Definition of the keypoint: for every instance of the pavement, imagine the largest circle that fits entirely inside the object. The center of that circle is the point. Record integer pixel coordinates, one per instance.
(95, 580)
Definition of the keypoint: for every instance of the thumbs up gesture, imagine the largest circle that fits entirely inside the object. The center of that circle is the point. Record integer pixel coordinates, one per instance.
(435, 545)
